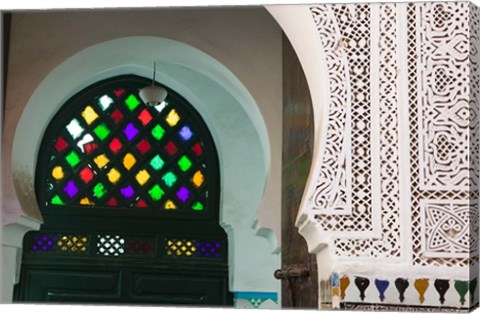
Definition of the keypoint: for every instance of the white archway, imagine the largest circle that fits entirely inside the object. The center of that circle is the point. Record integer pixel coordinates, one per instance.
(226, 106)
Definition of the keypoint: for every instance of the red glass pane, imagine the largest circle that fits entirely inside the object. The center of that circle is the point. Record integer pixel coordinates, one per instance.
(117, 116)
(115, 145)
(112, 202)
(141, 203)
(145, 117)
(90, 147)
(197, 149)
(171, 148)
(139, 246)
(86, 174)
(60, 144)
(119, 92)
(144, 146)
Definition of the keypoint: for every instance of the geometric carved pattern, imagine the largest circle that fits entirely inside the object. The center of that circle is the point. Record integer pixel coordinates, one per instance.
(110, 245)
(446, 228)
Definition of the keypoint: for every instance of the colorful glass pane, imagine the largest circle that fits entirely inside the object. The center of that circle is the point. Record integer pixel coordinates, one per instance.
(72, 244)
(142, 177)
(132, 102)
(43, 243)
(141, 203)
(102, 131)
(184, 163)
(198, 206)
(71, 189)
(72, 159)
(129, 161)
(183, 194)
(143, 146)
(112, 202)
(119, 92)
(89, 115)
(127, 191)
(156, 192)
(90, 147)
(185, 133)
(115, 145)
(105, 101)
(75, 129)
(162, 106)
(116, 116)
(157, 162)
(87, 138)
(109, 245)
(86, 201)
(137, 246)
(56, 200)
(101, 161)
(171, 148)
(60, 144)
(198, 179)
(130, 131)
(180, 247)
(113, 175)
(172, 118)
(170, 205)
(145, 117)
(158, 132)
(86, 174)
(197, 149)
(99, 190)
(169, 178)
(57, 173)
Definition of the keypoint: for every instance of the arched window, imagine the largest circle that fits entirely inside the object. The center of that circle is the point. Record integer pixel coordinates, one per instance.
(129, 191)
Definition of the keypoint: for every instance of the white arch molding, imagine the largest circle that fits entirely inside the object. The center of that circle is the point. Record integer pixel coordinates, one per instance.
(221, 99)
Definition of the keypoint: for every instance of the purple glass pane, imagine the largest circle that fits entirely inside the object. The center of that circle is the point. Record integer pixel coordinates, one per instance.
(43, 243)
(183, 194)
(71, 189)
(130, 131)
(127, 191)
(185, 133)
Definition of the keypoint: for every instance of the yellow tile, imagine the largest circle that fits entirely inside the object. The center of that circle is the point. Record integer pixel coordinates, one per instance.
(198, 179)
(113, 175)
(57, 173)
(129, 161)
(172, 118)
(142, 177)
(170, 205)
(101, 161)
(89, 115)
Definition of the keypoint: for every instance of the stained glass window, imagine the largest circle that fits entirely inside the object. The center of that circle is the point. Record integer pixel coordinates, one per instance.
(109, 150)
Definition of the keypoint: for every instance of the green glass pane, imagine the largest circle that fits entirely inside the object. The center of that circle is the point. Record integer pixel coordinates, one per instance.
(56, 200)
(99, 190)
(101, 131)
(184, 163)
(197, 206)
(132, 102)
(169, 178)
(157, 162)
(156, 192)
(158, 132)
(72, 159)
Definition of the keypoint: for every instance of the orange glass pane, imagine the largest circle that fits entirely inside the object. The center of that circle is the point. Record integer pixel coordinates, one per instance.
(57, 173)
(86, 201)
(113, 175)
(172, 118)
(142, 177)
(89, 115)
(101, 161)
(198, 179)
(129, 161)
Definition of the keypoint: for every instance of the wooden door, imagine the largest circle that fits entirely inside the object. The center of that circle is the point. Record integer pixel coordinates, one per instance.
(298, 136)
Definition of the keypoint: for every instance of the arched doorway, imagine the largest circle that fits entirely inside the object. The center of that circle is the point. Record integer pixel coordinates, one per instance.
(130, 199)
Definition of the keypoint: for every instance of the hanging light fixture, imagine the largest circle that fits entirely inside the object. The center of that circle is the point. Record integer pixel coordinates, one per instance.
(153, 95)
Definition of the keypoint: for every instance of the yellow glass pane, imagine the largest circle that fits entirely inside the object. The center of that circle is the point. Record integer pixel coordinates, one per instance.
(170, 205)
(89, 115)
(113, 175)
(57, 173)
(172, 118)
(86, 201)
(142, 177)
(198, 179)
(129, 161)
(101, 160)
